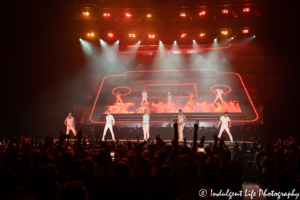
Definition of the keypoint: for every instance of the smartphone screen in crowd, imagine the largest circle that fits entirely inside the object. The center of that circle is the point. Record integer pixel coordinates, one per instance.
(201, 150)
(112, 154)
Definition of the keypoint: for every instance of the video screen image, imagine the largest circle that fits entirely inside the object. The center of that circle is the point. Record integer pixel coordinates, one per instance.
(202, 95)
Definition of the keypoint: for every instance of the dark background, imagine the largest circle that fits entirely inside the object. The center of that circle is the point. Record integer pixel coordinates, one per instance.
(43, 65)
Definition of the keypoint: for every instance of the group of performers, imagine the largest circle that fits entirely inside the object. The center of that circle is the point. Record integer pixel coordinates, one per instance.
(110, 121)
(225, 123)
(218, 92)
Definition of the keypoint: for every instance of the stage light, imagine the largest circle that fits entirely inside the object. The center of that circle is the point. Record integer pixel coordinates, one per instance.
(149, 15)
(246, 9)
(151, 36)
(194, 41)
(202, 34)
(215, 39)
(80, 39)
(202, 13)
(232, 38)
(139, 42)
(182, 14)
(253, 36)
(225, 11)
(110, 34)
(175, 42)
(132, 35)
(128, 15)
(106, 14)
(91, 34)
(245, 30)
(183, 35)
(86, 13)
(224, 32)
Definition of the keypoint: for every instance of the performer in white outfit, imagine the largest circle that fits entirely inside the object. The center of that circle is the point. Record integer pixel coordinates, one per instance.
(169, 99)
(144, 97)
(225, 126)
(219, 95)
(110, 122)
(146, 123)
(119, 98)
(181, 120)
(70, 123)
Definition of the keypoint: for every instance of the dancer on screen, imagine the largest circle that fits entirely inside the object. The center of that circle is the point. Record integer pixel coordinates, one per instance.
(169, 99)
(146, 123)
(181, 120)
(119, 98)
(191, 96)
(144, 97)
(226, 124)
(110, 122)
(70, 123)
(219, 93)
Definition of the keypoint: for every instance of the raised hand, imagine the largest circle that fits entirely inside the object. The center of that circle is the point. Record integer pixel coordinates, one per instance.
(222, 139)
(202, 140)
(184, 141)
(196, 125)
(215, 137)
(175, 125)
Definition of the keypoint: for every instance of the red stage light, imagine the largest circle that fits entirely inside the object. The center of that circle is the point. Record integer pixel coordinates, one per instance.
(151, 36)
(106, 14)
(202, 13)
(202, 34)
(86, 13)
(182, 14)
(246, 9)
(132, 35)
(246, 31)
(110, 34)
(149, 15)
(128, 15)
(183, 35)
(225, 11)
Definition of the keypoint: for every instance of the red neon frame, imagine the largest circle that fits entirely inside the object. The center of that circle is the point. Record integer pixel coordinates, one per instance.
(121, 87)
(211, 89)
(173, 84)
(90, 117)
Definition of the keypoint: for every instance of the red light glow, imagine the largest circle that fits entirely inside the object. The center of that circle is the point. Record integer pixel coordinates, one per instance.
(246, 31)
(110, 34)
(128, 15)
(149, 15)
(225, 11)
(132, 35)
(202, 13)
(246, 10)
(151, 36)
(183, 35)
(106, 14)
(86, 13)
(202, 34)
(182, 14)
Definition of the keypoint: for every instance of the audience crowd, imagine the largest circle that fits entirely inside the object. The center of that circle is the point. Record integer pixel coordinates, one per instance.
(139, 170)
